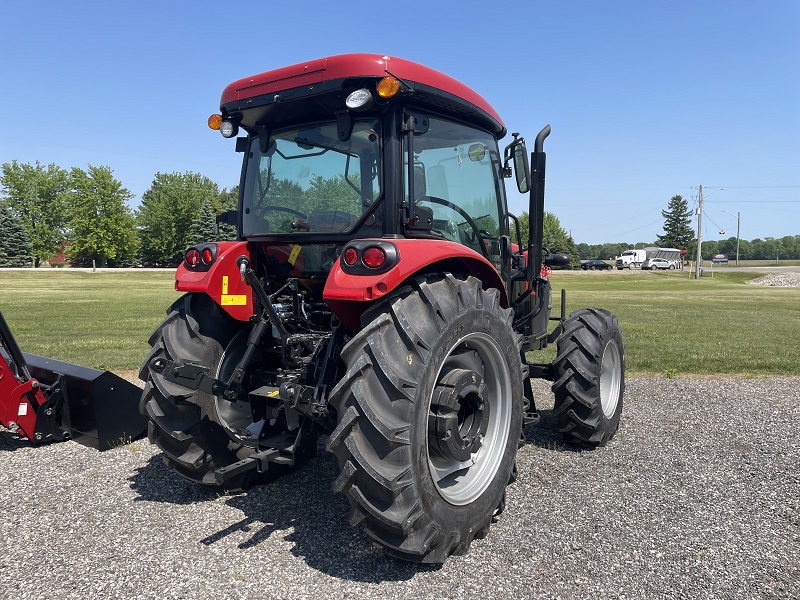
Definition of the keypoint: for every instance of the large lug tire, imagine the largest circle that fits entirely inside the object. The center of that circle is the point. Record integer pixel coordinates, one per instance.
(195, 429)
(589, 377)
(430, 416)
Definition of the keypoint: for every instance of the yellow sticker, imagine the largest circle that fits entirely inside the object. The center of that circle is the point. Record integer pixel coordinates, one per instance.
(295, 252)
(234, 300)
(273, 394)
(224, 285)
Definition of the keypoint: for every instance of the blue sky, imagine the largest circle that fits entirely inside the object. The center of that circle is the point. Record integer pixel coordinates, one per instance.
(646, 99)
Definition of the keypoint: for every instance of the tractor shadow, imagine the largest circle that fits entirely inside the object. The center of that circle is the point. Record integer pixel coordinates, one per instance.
(298, 506)
(545, 434)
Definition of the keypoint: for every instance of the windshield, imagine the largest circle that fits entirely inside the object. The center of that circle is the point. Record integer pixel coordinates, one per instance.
(309, 181)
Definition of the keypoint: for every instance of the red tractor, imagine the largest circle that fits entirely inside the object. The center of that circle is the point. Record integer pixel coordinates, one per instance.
(375, 295)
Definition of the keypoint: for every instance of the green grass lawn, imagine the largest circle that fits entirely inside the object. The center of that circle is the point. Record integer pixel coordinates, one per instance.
(99, 320)
(672, 325)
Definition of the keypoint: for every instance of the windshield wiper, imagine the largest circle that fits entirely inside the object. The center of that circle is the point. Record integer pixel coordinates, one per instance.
(307, 144)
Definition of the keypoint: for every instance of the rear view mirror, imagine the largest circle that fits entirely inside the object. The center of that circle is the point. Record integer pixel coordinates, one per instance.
(521, 167)
(229, 217)
(517, 152)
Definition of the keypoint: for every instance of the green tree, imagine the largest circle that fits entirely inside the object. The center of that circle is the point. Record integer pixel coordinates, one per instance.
(677, 224)
(710, 248)
(166, 214)
(202, 229)
(554, 237)
(37, 197)
(228, 200)
(15, 244)
(103, 227)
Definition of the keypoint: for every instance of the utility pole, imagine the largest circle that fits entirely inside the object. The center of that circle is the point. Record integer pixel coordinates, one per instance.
(699, 263)
(738, 223)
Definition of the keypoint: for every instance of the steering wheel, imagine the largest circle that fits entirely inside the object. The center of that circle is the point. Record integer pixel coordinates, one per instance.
(476, 232)
(292, 211)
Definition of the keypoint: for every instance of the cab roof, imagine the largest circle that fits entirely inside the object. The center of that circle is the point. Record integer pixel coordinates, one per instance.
(316, 76)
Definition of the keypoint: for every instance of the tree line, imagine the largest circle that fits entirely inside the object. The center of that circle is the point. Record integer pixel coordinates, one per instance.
(47, 213)
(678, 233)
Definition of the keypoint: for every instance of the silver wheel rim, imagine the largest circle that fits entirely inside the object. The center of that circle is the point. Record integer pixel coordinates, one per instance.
(610, 379)
(236, 416)
(461, 483)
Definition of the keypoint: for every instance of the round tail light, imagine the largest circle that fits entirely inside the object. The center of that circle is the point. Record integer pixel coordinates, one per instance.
(192, 257)
(207, 256)
(350, 256)
(374, 257)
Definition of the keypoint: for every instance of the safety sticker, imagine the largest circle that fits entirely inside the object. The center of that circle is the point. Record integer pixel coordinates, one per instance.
(294, 253)
(23, 409)
(234, 300)
(224, 285)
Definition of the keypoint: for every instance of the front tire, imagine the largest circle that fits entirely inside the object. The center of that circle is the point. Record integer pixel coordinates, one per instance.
(589, 377)
(430, 416)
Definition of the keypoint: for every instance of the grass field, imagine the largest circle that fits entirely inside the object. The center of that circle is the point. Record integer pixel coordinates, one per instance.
(99, 320)
(673, 325)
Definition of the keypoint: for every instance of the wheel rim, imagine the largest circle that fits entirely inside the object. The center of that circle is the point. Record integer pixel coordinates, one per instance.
(610, 379)
(236, 417)
(476, 372)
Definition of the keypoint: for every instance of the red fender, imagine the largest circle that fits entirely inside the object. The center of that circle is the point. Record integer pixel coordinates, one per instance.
(221, 279)
(349, 295)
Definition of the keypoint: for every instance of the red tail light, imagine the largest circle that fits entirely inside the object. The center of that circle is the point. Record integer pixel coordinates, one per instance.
(192, 257)
(350, 256)
(373, 257)
(207, 256)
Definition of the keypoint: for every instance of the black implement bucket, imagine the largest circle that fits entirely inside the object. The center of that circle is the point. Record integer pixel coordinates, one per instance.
(102, 408)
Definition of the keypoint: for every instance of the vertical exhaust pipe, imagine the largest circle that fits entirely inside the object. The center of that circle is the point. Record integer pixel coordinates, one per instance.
(536, 230)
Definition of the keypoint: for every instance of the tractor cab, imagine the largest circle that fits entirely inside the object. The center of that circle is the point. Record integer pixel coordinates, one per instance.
(359, 147)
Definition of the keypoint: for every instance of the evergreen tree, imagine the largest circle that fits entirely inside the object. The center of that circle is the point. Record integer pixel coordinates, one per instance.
(229, 200)
(202, 229)
(677, 224)
(15, 244)
(37, 197)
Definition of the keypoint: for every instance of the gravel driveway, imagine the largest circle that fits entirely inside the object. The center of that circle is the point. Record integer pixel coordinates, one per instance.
(698, 496)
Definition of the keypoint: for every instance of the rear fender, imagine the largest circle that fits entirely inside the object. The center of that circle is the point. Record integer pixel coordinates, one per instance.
(221, 279)
(349, 294)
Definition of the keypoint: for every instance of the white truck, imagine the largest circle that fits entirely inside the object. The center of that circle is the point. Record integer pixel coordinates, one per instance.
(633, 259)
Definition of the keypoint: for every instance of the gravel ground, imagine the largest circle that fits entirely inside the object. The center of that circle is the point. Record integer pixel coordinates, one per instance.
(777, 280)
(698, 496)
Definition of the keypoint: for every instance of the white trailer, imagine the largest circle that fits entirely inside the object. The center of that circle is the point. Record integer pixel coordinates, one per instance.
(673, 255)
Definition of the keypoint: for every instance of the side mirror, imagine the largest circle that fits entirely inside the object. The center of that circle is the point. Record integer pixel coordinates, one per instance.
(229, 217)
(517, 152)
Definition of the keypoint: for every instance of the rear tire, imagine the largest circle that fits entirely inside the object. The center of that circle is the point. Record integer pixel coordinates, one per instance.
(430, 416)
(589, 377)
(185, 424)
